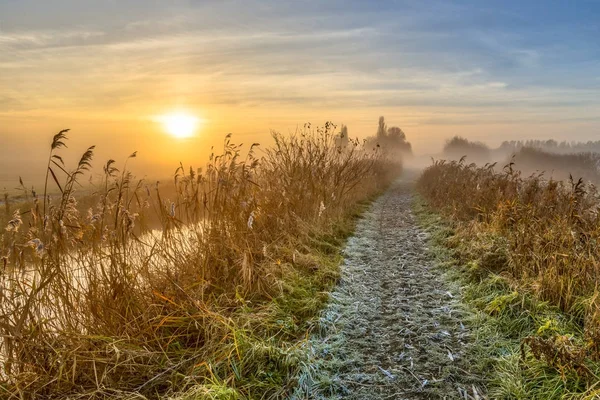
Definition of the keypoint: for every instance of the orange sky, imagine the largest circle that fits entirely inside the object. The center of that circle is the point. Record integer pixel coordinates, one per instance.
(107, 69)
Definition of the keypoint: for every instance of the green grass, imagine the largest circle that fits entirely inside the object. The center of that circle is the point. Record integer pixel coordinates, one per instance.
(505, 315)
(265, 352)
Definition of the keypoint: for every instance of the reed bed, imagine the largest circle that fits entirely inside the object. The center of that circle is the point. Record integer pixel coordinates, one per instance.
(542, 235)
(200, 291)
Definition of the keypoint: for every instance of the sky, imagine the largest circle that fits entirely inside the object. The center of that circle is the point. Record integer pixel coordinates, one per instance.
(487, 70)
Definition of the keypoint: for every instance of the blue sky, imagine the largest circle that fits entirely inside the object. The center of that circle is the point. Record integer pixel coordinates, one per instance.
(484, 69)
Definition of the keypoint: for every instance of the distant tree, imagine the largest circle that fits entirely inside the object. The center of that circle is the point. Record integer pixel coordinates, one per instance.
(530, 160)
(395, 133)
(551, 146)
(396, 138)
(344, 140)
(382, 129)
(458, 147)
(390, 140)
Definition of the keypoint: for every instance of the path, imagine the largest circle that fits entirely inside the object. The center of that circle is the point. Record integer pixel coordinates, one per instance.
(394, 328)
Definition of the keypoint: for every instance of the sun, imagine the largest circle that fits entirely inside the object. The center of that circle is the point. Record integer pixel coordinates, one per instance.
(179, 124)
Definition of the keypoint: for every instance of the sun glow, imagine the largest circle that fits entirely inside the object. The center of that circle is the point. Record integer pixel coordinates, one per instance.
(179, 125)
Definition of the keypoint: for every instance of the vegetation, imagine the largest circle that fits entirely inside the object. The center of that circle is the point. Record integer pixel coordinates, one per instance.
(531, 160)
(505, 316)
(528, 247)
(203, 291)
(390, 140)
(551, 146)
(458, 147)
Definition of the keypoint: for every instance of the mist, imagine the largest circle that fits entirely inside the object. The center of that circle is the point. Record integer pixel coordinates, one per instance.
(291, 200)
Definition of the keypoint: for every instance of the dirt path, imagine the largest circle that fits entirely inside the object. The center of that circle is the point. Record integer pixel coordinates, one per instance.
(394, 328)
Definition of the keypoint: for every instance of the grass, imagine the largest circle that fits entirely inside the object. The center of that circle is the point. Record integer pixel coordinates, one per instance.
(202, 289)
(524, 249)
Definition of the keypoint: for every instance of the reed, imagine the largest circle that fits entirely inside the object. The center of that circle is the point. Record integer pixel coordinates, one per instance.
(541, 234)
(145, 290)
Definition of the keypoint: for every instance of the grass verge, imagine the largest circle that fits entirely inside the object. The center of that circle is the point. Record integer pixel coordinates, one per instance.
(265, 353)
(517, 335)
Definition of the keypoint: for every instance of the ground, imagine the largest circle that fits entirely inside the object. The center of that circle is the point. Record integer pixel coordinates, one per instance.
(395, 327)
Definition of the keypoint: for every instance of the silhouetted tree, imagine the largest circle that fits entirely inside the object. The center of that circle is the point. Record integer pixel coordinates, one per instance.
(458, 147)
(344, 136)
(392, 140)
(551, 146)
(341, 139)
(382, 129)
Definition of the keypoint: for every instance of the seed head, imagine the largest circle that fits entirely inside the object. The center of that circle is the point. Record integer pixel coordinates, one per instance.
(251, 220)
(15, 223)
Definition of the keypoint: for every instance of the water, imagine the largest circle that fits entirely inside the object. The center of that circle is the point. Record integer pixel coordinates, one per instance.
(9, 181)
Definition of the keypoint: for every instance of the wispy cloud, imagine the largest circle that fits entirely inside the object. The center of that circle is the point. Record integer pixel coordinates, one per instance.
(456, 62)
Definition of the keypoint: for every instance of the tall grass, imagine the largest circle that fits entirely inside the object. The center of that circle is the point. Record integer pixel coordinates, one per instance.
(142, 291)
(543, 234)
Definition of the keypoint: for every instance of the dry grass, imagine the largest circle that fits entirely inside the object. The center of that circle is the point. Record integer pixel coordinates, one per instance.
(96, 304)
(542, 234)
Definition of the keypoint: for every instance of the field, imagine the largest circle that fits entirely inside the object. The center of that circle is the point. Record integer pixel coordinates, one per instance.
(202, 289)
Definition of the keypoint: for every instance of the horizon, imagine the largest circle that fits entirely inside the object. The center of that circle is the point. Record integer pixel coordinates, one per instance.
(111, 72)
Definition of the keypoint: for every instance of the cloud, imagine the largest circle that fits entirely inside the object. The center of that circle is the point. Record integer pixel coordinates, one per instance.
(45, 39)
(117, 61)
(497, 85)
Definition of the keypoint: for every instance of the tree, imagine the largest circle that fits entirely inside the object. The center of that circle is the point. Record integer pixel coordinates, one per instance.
(341, 139)
(344, 136)
(458, 146)
(382, 129)
(395, 134)
(391, 140)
